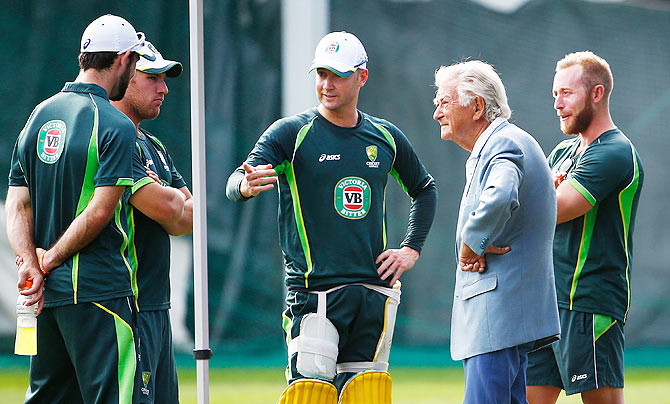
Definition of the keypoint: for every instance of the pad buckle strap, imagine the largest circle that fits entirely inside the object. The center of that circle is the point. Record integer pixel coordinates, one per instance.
(356, 367)
(312, 345)
(394, 292)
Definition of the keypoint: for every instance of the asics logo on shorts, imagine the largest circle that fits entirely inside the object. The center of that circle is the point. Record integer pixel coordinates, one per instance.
(579, 377)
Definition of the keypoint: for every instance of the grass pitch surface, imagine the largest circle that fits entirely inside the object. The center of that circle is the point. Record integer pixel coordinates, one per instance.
(411, 385)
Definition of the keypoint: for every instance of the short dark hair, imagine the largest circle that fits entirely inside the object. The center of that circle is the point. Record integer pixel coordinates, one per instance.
(96, 60)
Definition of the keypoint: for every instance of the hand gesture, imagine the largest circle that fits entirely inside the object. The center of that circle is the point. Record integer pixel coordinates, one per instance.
(257, 179)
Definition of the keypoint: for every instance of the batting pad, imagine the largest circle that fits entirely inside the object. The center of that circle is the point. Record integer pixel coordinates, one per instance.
(369, 387)
(309, 391)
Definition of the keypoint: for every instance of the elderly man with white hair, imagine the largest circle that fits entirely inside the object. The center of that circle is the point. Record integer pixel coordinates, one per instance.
(504, 297)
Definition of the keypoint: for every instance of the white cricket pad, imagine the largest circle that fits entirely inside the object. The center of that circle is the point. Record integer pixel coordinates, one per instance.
(316, 345)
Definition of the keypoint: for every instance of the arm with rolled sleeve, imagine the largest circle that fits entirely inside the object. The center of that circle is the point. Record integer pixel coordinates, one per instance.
(420, 186)
(113, 175)
(273, 147)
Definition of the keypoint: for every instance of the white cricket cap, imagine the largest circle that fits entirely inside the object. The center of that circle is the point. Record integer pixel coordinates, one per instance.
(340, 52)
(111, 33)
(160, 65)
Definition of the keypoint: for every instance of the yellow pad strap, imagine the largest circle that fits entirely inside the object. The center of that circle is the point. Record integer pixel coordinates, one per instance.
(369, 387)
(309, 391)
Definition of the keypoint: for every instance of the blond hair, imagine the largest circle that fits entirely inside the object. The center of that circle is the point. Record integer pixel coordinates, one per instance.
(595, 70)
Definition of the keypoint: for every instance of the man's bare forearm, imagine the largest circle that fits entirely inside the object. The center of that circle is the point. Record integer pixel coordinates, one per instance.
(19, 224)
(185, 223)
(85, 227)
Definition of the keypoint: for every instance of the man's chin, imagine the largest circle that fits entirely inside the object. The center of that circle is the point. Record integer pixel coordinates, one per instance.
(445, 135)
(567, 130)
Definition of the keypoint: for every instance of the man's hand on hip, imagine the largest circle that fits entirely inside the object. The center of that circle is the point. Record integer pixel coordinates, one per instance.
(471, 261)
(396, 261)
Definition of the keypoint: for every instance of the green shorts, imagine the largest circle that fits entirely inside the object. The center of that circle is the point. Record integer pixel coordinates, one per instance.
(85, 354)
(588, 356)
(156, 378)
(363, 321)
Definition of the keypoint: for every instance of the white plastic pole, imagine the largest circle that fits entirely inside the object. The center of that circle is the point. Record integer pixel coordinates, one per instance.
(202, 352)
(304, 23)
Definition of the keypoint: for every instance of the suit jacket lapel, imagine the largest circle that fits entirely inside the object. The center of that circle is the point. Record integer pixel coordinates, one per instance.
(470, 170)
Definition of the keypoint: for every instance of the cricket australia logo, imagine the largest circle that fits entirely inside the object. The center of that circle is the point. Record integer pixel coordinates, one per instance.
(50, 141)
(145, 380)
(352, 198)
(371, 151)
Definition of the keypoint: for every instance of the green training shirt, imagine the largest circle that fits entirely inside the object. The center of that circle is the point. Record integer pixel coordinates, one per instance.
(593, 253)
(332, 187)
(149, 242)
(72, 143)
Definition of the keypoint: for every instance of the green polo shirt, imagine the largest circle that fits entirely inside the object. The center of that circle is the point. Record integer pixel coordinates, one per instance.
(150, 244)
(332, 195)
(593, 253)
(72, 143)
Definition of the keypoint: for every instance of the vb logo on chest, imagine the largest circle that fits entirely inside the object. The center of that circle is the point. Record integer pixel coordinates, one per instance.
(352, 197)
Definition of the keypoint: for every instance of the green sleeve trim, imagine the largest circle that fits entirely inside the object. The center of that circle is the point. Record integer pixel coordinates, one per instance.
(387, 135)
(132, 252)
(124, 245)
(395, 175)
(626, 200)
(584, 245)
(391, 141)
(302, 134)
(563, 145)
(88, 186)
(156, 141)
(583, 191)
(299, 221)
(139, 184)
(87, 189)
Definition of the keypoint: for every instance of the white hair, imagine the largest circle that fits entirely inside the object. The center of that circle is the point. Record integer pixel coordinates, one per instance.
(477, 79)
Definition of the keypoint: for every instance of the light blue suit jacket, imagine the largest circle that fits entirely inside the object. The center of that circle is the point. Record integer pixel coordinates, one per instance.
(509, 200)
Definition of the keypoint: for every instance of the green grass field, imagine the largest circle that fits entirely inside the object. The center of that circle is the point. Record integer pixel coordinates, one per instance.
(410, 385)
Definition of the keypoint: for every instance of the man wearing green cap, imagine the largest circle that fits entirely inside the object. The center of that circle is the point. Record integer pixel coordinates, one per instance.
(70, 166)
(332, 165)
(158, 205)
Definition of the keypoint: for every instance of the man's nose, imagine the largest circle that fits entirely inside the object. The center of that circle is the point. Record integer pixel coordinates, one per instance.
(437, 114)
